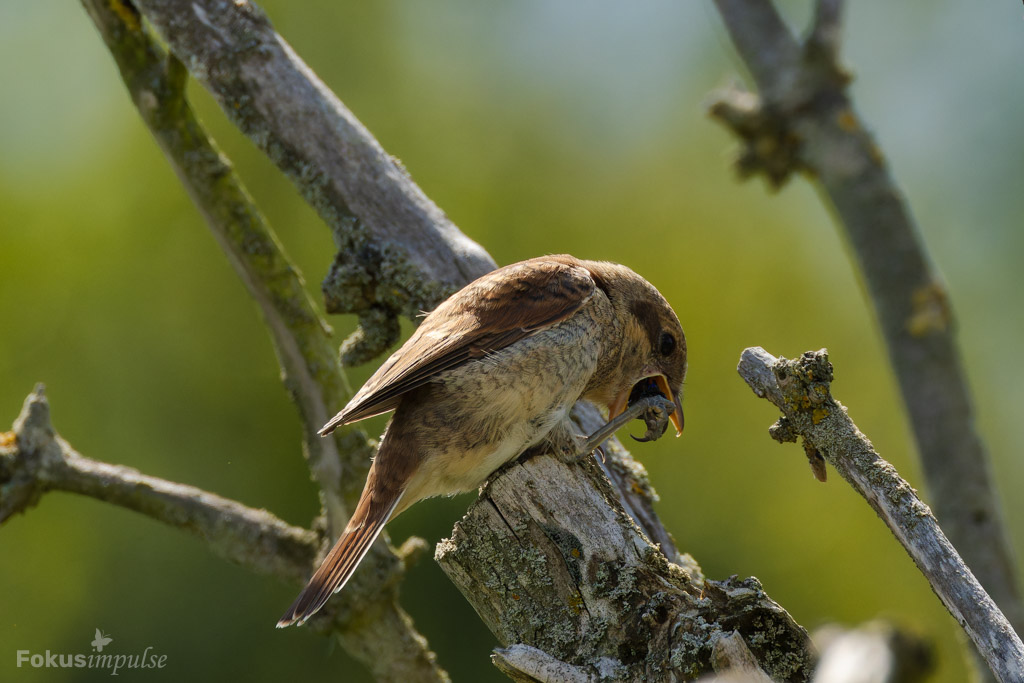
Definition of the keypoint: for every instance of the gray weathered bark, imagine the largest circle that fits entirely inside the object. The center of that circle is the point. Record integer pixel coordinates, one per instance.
(801, 390)
(804, 120)
(397, 251)
(310, 370)
(549, 559)
(35, 460)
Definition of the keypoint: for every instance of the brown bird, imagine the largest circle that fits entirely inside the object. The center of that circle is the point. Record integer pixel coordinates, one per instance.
(495, 370)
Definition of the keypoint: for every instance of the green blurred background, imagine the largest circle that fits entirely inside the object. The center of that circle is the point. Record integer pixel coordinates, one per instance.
(538, 127)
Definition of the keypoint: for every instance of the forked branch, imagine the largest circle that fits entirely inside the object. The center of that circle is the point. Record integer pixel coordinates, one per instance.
(156, 80)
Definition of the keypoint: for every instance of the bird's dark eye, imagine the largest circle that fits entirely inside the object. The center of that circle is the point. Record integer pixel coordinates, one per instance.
(667, 344)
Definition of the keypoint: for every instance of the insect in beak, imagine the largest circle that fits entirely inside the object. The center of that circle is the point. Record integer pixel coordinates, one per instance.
(654, 385)
(677, 415)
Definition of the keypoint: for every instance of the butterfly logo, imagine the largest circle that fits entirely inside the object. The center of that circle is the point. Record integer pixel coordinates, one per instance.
(100, 641)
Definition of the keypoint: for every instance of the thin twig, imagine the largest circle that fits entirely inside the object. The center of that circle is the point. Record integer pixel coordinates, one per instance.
(801, 390)
(35, 460)
(804, 111)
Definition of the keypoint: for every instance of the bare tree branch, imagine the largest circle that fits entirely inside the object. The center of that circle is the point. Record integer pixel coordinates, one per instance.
(804, 120)
(550, 560)
(398, 252)
(370, 626)
(801, 390)
(189, 34)
(309, 365)
(156, 83)
(34, 460)
(826, 29)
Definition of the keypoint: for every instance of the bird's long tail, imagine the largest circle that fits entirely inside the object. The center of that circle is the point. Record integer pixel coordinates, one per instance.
(362, 530)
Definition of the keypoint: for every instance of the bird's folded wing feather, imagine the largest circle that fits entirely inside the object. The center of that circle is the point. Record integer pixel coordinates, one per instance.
(491, 313)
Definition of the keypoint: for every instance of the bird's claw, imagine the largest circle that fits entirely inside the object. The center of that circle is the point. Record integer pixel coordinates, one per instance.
(655, 416)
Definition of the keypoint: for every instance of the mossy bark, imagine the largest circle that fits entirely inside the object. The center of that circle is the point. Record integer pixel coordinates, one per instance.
(549, 558)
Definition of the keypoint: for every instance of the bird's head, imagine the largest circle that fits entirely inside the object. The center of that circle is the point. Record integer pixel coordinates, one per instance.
(652, 356)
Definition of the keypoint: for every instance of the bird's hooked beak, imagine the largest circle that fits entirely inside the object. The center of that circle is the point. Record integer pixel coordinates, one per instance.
(644, 388)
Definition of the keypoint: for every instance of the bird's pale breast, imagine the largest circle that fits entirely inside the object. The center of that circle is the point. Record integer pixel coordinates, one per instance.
(479, 416)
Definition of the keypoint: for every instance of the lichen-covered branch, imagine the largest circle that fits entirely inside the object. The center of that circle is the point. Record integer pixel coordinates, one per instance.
(636, 495)
(801, 390)
(526, 664)
(35, 460)
(734, 662)
(310, 369)
(549, 559)
(802, 119)
(397, 251)
(156, 83)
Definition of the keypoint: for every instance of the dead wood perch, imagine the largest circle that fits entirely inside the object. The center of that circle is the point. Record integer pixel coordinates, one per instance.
(549, 559)
(800, 389)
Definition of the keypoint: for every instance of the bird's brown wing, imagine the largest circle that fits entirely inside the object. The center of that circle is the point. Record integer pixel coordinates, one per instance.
(489, 314)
